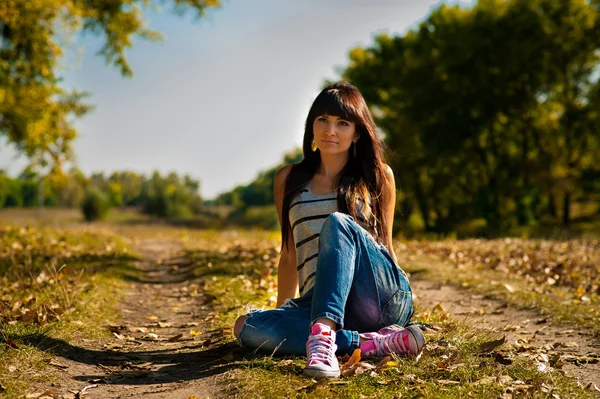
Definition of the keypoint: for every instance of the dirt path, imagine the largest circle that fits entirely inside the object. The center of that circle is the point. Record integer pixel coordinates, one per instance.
(529, 332)
(160, 349)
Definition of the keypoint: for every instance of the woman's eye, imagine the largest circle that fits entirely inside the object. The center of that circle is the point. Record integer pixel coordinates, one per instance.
(343, 123)
(321, 119)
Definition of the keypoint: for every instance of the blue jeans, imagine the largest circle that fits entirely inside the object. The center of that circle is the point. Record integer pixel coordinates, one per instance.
(357, 285)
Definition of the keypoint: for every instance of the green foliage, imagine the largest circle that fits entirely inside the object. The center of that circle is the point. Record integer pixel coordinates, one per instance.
(36, 113)
(95, 204)
(490, 110)
(264, 217)
(171, 196)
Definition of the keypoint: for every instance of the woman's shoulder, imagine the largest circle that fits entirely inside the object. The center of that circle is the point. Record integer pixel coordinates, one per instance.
(389, 173)
(388, 170)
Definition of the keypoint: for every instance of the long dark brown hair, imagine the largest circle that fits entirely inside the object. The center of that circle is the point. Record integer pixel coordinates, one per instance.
(362, 178)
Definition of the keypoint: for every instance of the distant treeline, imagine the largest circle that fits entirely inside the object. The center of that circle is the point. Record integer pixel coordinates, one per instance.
(166, 196)
(492, 112)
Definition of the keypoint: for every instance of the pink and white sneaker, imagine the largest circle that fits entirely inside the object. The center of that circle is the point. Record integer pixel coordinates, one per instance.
(393, 339)
(320, 351)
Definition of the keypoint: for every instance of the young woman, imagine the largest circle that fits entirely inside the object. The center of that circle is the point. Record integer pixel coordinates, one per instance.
(336, 209)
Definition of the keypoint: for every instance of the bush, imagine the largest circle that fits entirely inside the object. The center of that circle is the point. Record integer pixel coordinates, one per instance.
(95, 205)
(171, 196)
(264, 217)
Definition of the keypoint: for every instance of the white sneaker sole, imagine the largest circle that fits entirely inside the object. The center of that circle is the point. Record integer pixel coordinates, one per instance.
(317, 373)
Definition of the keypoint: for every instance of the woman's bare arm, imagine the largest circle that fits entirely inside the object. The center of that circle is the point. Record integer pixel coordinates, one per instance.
(287, 275)
(389, 205)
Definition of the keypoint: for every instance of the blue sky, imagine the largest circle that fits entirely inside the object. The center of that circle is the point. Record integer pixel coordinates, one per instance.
(223, 97)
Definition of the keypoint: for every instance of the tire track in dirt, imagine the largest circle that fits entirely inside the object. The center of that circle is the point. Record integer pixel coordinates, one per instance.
(162, 347)
(532, 333)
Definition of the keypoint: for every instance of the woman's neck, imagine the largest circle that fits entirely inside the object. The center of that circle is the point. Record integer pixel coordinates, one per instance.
(332, 165)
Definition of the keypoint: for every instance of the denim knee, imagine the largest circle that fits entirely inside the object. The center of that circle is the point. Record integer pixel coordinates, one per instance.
(283, 329)
(335, 221)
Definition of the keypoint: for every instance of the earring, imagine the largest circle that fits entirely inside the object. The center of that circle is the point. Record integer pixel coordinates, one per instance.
(314, 146)
(354, 150)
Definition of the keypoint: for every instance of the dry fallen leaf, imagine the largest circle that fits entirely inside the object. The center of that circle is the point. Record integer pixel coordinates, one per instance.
(151, 336)
(58, 365)
(49, 394)
(175, 338)
(384, 363)
(439, 308)
(138, 329)
(570, 344)
(355, 358)
(489, 346)
(542, 367)
(83, 391)
(119, 336)
(448, 382)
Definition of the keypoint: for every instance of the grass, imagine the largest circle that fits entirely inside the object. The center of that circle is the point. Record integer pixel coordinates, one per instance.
(240, 272)
(238, 269)
(57, 285)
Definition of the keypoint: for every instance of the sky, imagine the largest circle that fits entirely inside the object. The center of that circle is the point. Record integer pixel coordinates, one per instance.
(223, 97)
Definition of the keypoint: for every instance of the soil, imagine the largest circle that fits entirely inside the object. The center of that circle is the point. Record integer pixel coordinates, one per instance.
(163, 346)
(530, 333)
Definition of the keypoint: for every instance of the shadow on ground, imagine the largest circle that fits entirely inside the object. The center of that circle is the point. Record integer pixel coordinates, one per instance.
(166, 367)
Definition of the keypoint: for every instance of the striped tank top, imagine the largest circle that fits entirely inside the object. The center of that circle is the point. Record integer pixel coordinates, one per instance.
(307, 214)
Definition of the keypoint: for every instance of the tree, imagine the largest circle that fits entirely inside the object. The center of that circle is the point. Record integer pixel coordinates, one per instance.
(36, 113)
(466, 100)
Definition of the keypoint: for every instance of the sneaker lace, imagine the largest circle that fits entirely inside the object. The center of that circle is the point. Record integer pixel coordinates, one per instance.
(320, 348)
(393, 343)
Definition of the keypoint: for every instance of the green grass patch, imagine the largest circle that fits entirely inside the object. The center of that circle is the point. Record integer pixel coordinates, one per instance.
(58, 287)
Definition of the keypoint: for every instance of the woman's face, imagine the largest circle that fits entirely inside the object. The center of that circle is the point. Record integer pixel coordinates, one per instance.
(334, 135)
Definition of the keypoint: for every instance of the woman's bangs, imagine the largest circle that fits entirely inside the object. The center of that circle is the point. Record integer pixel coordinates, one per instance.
(331, 104)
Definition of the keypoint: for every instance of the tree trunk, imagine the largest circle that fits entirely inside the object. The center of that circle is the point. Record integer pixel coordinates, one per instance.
(566, 216)
(552, 205)
(406, 209)
(422, 201)
(40, 197)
